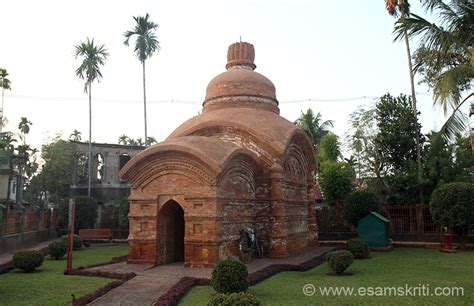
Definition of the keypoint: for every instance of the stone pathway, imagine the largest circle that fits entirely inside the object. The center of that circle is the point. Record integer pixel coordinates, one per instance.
(6, 257)
(152, 282)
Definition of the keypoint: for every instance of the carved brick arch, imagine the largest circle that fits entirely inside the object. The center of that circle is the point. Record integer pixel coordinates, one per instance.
(298, 160)
(240, 175)
(174, 162)
(241, 137)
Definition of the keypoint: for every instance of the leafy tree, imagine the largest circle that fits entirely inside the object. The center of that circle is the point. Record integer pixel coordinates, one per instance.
(329, 148)
(56, 174)
(314, 128)
(336, 183)
(398, 129)
(75, 136)
(146, 44)
(93, 56)
(444, 57)
(358, 204)
(85, 213)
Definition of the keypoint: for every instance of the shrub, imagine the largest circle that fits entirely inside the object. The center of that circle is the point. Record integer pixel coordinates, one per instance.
(27, 260)
(58, 249)
(359, 204)
(76, 244)
(358, 248)
(229, 276)
(234, 299)
(339, 261)
(452, 205)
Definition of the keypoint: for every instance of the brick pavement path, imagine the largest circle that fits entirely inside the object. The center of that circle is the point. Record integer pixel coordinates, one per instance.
(152, 282)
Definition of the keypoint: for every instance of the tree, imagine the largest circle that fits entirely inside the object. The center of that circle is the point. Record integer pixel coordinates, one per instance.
(314, 128)
(329, 148)
(4, 84)
(58, 156)
(24, 127)
(444, 57)
(93, 56)
(123, 139)
(358, 204)
(150, 140)
(398, 130)
(402, 8)
(336, 183)
(146, 44)
(75, 136)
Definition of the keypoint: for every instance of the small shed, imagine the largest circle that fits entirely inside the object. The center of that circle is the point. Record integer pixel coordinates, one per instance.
(373, 229)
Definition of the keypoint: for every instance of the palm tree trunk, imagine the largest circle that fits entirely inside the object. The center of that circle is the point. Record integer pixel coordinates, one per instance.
(144, 102)
(413, 97)
(90, 144)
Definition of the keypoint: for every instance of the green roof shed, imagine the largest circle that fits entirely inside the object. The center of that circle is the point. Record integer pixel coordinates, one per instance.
(373, 229)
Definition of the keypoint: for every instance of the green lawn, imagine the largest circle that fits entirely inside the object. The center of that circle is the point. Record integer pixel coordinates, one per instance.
(403, 266)
(49, 286)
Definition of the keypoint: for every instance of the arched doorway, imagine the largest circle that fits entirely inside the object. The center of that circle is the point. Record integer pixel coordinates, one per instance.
(171, 221)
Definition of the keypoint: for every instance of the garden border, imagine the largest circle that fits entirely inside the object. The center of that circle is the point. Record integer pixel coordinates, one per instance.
(121, 279)
(178, 290)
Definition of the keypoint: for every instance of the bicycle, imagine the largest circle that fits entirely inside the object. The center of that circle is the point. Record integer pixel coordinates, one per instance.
(249, 243)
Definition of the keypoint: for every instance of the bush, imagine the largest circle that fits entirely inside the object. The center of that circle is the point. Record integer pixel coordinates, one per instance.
(358, 248)
(359, 204)
(58, 249)
(27, 260)
(234, 299)
(229, 276)
(339, 261)
(76, 244)
(452, 205)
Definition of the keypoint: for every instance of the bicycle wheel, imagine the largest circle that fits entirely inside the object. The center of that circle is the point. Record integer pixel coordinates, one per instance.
(245, 249)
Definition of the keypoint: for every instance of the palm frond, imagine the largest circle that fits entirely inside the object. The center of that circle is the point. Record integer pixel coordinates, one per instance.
(456, 122)
(447, 90)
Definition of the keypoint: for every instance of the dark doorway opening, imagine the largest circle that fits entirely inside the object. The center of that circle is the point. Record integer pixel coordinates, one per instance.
(172, 232)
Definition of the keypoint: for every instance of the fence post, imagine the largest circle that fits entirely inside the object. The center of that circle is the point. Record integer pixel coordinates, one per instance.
(420, 227)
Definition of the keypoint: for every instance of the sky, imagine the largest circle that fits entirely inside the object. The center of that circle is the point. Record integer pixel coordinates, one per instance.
(339, 54)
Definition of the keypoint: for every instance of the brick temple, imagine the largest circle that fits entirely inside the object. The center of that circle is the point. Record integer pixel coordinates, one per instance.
(237, 164)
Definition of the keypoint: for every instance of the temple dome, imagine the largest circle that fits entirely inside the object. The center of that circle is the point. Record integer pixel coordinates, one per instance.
(240, 86)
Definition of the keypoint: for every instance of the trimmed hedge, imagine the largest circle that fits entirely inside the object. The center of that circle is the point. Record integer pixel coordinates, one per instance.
(358, 248)
(230, 276)
(452, 205)
(339, 261)
(28, 260)
(58, 249)
(234, 299)
(358, 204)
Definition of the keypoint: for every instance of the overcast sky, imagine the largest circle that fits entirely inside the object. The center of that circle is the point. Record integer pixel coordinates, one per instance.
(335, 52)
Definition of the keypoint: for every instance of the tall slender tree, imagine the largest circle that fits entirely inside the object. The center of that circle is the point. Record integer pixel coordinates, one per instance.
(444, 57)
(24, 127)
(146, 44)
(93, 56)
(5, 84)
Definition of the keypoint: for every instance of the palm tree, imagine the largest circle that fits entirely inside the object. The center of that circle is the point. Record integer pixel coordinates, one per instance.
(401, 9)
(146, 44)
(5, 84)
(151, 140)
(444, 57)
(75, 136)
(24, 127)
(313, 127)
(123, 139)
(93, 56)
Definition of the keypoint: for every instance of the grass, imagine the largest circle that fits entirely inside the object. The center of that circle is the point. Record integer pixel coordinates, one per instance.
(49, 286)
(401, 267)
